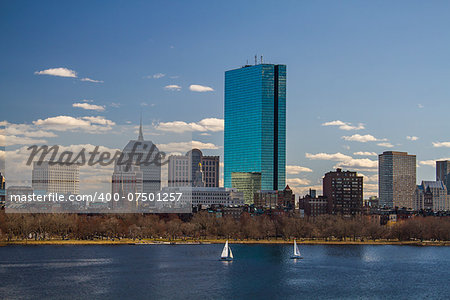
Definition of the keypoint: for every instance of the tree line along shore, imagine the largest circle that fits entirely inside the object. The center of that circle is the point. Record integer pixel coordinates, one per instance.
(205, 227)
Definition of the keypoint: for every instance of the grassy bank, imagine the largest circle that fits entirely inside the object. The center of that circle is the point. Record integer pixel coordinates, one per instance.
(220, 241)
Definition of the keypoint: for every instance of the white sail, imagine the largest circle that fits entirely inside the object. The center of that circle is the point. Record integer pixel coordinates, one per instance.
(231, 253)
(296, 251)
(225, 251)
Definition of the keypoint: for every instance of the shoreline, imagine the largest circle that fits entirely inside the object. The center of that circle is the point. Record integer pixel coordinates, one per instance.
(218, 241)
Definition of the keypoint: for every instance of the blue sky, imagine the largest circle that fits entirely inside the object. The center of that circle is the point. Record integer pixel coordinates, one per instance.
(382, 64)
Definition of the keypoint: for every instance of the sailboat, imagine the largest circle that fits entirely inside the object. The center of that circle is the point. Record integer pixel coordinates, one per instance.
(226, 253)
(297, 254)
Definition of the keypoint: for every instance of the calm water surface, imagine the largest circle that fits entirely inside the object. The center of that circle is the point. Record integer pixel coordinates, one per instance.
(194, 272)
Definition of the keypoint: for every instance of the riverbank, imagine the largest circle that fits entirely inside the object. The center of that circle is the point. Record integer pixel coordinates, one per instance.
(219, 241)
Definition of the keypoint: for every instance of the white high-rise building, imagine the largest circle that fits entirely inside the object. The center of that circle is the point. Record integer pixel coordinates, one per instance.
(146, 155)
(56, 178)
(396, 179)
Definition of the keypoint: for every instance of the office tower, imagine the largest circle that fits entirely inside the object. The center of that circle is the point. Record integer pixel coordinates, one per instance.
(2, 190)
(146, 155)
(247, 182)
(182, 169)
(431, 195)
(210, 166)
(55, 178)
(125, 181)
(255, 124)
(396, 179)
(179, 170)
(443, 173)
(344, 191)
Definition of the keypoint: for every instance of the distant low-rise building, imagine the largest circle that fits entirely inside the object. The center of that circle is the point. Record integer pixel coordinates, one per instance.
(275, 199)
(313, 206)
(207, 197)
(431, 195)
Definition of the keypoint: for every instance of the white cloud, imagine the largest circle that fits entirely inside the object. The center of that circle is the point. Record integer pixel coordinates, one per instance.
(369, 178)
(441, 144)
(186, 146)
(208, 124)
(297, 181)
(172, 87)
(88, 106)
(61, 72)
(100, 120)
(362, 138)
(346, 161)
(325, 156)
(358, 163)
(432, 162)
(412, 138)
(304, 190)
(115, 104)
(200, 88)
(420, 105)
(297, 170)
(370, 188)
(158, 75)
(66, 123)
(387, 145)
(365, 153)
(87, 79)
(11, 140)
(344, 125)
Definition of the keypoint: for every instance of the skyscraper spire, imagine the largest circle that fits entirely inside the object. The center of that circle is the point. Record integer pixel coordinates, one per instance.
(141, 136)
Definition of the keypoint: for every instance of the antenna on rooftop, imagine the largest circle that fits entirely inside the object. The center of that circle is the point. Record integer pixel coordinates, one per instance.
(256, 60)
(261, 59)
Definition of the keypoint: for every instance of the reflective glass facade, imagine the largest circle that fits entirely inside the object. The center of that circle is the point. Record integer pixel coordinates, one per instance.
(255, 124)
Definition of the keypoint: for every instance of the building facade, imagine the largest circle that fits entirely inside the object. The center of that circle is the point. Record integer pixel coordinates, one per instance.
(126, 181)
(2, 190)
(313, 206)
(146, 156)
(275, 199)
(255, 124)
(56, 178)
(183, 169)
(396, 179)
(247, 182)
(431, 195)
(344, 191)
(443, 173)
(209, 196)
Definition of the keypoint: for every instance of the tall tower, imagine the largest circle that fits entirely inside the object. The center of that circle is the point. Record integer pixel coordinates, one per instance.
(255, 124)
(145, 155)
(396, 179)
(443, 173)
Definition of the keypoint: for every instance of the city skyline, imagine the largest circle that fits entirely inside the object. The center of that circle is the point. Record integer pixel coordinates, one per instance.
(345, 104)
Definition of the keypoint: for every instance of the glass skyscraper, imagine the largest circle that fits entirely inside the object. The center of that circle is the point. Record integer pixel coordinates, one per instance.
(255, 124)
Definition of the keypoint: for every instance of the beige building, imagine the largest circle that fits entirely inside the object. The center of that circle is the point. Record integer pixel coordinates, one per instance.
(56, 178)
